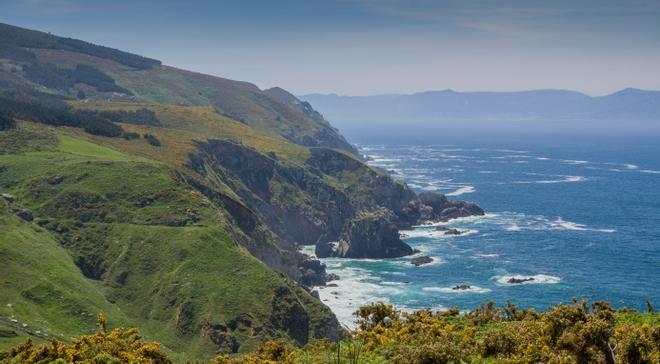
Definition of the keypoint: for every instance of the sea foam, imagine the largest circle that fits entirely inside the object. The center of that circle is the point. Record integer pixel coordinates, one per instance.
(472, 289)
(538, 279)
(461, 191)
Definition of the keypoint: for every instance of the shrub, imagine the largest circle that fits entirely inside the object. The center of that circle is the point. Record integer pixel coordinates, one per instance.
(130, 136)
(138, 117)
(52, 76)
(7, 123)
(54, 111)
(151, 140)
(117, 346)
(377, 314)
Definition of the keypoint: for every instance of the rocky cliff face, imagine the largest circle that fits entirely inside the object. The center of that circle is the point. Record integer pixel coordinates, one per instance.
(372, 235)
(331, 197)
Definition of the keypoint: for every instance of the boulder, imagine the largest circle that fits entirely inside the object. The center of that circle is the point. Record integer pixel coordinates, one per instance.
(24, 214)
(331, 277)
(421, 261)
(56, 180)
(372, 235)
(7, 197)
(461, 287)
(453, 232)
(324, 249)
(312, 272)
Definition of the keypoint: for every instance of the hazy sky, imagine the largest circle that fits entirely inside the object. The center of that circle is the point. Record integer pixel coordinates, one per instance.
(359, 47)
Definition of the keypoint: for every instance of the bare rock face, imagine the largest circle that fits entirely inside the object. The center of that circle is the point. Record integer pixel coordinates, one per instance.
(324, 249)
(372, 235)
(221, 336)
(24, 214)
(7, 197)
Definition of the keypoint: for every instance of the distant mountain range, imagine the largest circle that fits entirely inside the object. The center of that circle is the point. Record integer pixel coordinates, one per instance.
(627, 104)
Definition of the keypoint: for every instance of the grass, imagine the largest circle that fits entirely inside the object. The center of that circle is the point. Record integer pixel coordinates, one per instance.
(82, 148)
(52, 301)
(182, 125)
(168, 266)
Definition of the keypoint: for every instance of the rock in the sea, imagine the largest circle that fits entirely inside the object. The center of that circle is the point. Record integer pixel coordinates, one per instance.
(453, 232)
(331, 277)
(448, 231)
(514, 280)
(461, 287)
(324, 249)
(421, 261)
(372, 235)
(312, 272)
(436, 207)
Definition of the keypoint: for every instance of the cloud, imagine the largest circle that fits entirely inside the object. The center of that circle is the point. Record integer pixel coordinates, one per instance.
(577, 22)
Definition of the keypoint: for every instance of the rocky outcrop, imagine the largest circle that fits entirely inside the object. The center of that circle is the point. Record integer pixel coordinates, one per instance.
(372, 235)
(448, 231)
(437, 207)
(316, 203)
(7, 197)
(221, 336)
(324, 135)
(24, 214)
(312, 272)
(421, 261)
(324, 249)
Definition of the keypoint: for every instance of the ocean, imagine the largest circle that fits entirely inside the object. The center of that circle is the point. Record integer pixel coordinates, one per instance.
(579, 215)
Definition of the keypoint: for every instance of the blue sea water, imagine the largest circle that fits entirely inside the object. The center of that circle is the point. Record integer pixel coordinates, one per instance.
(580, 216)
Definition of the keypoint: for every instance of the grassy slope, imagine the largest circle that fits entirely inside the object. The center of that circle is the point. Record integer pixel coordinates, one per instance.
(54, 300)
(238, 100)
(178, 277)
(184, 124)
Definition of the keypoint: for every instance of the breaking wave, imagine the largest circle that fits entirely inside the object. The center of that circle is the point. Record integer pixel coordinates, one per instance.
(461, 191)
(471, 289)
(535, 279)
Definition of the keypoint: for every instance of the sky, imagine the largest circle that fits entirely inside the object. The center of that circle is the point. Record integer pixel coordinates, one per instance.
(364, 47)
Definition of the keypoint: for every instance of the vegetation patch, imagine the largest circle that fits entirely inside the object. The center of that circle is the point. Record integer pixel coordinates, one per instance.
(63, 79)
(51, 110)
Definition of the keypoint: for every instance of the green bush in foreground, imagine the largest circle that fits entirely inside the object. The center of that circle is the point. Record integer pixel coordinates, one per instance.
(575, 333)
(116, 346)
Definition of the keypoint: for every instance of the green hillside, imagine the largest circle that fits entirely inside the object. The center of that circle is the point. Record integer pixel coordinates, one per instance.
(78, 69)
(126, 238)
